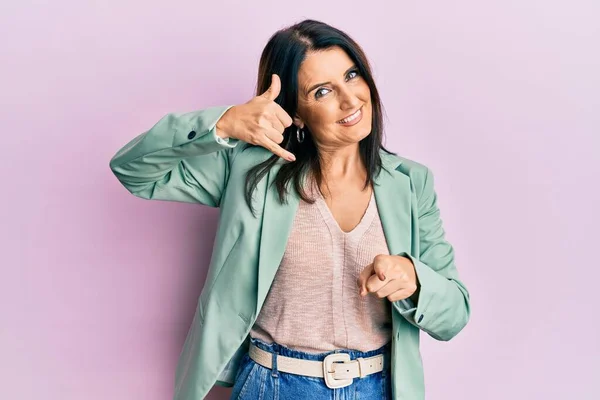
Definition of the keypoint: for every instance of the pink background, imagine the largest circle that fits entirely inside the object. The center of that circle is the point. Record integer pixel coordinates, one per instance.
(500, 99)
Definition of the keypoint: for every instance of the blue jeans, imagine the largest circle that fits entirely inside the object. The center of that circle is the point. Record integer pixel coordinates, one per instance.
(253, 381)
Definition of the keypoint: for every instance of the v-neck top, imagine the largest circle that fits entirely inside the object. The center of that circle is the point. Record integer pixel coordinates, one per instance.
(314, 304)
(333, 225)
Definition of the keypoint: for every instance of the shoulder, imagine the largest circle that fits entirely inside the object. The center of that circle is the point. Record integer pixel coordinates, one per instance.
(419, 174)
(417, 171)
(244, 156)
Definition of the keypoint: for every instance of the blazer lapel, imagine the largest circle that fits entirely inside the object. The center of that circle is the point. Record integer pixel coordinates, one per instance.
(393, 199)
(276, 227)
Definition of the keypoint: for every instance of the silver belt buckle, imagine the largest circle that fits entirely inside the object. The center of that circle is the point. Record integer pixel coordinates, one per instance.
(330, 381)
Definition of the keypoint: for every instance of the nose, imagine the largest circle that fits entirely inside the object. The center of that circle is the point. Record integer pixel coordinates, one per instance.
(348, 99)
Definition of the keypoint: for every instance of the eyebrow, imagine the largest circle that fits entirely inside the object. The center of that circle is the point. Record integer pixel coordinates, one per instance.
(313, 87)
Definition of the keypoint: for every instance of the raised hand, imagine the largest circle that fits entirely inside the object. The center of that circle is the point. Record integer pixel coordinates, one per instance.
(260, 121)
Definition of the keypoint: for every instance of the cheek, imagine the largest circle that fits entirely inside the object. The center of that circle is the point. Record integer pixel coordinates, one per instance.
(323, 113)
(366, 93)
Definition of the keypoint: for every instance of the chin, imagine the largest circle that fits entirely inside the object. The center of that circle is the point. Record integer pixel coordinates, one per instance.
(365, 128)
(364, 134)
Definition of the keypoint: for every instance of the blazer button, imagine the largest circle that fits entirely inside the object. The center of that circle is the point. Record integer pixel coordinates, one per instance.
(191, 135)
(420, 318)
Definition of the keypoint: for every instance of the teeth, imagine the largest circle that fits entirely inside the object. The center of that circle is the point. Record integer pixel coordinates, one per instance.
(350, 118)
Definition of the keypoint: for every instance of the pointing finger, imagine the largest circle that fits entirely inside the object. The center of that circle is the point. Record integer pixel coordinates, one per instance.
(363, 276)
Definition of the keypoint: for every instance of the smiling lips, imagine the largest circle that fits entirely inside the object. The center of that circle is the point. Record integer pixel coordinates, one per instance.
(352, 119)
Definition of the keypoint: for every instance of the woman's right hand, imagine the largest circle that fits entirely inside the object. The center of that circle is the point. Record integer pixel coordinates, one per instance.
(260, 121)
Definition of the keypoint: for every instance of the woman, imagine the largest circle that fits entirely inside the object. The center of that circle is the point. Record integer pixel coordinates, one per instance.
(330, 253)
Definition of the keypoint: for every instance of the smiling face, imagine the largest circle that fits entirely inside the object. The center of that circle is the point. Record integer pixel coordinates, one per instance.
(334, 101)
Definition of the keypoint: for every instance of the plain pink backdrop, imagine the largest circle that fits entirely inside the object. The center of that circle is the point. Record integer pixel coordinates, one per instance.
(499, 98)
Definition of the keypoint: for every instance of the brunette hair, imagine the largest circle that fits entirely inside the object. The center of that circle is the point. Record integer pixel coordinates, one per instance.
(283, 55)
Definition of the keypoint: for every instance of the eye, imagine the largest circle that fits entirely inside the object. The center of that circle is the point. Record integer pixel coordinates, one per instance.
(351, 75)
(355, 72)
(317, 93)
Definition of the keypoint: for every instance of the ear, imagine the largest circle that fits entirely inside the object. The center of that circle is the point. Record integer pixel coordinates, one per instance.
(298, 122)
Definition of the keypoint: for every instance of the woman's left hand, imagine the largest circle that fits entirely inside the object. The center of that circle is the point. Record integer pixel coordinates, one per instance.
(390, 276)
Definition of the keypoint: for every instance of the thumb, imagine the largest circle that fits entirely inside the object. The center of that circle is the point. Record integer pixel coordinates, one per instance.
(273, 91)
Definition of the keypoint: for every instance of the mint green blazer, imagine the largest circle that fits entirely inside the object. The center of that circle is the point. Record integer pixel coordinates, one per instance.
(181, 159)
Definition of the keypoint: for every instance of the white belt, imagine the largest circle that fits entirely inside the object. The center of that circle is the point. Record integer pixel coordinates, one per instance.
(337, 369)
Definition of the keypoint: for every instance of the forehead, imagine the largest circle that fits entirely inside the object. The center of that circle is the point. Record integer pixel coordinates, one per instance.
(323, 65)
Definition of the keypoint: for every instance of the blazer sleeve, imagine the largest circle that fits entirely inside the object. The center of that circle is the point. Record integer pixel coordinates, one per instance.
(443, 306)
(179, 159)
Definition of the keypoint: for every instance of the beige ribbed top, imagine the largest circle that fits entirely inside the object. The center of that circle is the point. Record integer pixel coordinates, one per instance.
(313, 304)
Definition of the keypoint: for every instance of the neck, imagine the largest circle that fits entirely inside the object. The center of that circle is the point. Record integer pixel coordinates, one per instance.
(342, 163)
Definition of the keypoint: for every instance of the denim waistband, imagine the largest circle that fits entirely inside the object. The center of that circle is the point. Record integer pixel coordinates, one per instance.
(286, 351)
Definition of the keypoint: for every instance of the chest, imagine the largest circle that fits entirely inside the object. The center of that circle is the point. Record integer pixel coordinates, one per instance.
(346, 206)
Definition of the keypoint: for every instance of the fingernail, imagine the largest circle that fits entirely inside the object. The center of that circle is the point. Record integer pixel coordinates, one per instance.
(382, 277)
(292, 158)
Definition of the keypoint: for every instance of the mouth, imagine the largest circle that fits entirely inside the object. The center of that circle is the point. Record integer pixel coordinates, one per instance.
(351, 119)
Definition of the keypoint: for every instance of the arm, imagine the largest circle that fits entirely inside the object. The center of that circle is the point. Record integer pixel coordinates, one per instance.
(181, 158)
(443, 306)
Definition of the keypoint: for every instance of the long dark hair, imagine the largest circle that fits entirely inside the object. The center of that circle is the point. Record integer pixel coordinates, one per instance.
(283, 55)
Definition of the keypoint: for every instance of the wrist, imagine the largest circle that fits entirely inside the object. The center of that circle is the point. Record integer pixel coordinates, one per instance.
(222, 127)
(220, 132)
